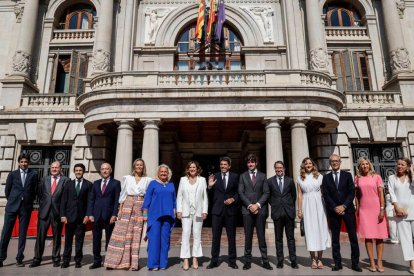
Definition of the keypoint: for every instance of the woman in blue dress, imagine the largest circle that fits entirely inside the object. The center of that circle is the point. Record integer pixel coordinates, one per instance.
(159, 209)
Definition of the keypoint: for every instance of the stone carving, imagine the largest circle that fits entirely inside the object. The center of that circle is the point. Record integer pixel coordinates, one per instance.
(153, 20)
(264, 17)
(22, 62)
(101, 61)
(401, 7)
(319, 60)
(18, 11)
(400, 60)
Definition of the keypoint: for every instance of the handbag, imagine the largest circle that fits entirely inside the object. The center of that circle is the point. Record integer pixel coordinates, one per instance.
(302, 228)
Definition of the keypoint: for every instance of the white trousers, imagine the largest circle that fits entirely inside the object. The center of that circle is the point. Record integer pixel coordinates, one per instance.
(392, 226)
(194, 223)
(405, 232)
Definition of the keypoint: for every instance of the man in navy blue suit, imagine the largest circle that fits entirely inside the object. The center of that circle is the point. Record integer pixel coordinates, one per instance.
(20, 194)
(103, 210)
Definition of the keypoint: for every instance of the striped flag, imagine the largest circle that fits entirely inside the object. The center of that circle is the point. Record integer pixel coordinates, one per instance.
(211, 19)
(221, 17)
(200, 21)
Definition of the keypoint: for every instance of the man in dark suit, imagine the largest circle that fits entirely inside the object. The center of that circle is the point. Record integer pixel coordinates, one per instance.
(339, 192)
(103, 210)
(50, 196)
(223, 187)
(254, 193)
(20, 193)
(282, 202)
(73, 214)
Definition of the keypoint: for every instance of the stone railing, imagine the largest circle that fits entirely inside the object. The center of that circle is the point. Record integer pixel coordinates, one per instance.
(374, 98)
(205, 79)
(49, 100)
(346, 33)
(65, 35)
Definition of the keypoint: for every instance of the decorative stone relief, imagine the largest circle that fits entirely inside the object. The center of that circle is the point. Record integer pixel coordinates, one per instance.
(401, 7)
(22, 62)
(153, 20)
(101, 61)
(400, 60)
(264, 17)
(319, 60)
(18, 11)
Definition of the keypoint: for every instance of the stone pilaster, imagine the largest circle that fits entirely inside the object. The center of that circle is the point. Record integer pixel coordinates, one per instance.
(150, 145)
(300, 148)
(291, 33)
(127, 47)
(274, 151)
(123, 158)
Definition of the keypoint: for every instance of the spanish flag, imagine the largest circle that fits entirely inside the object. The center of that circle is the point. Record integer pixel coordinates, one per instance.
(211, 19)
(200, 21)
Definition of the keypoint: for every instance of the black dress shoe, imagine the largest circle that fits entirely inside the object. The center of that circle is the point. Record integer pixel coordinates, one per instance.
(78, 265)
(294, 265)
(267, 266)
(233, 265)
(212, 265)
(34, 264)
(356, 268)
(279, 264)
(247, 266)
(95, 265)
(337, 268)
(19, 264)
(64, 265)
(1, 264)
(109, 268)
(56, 264)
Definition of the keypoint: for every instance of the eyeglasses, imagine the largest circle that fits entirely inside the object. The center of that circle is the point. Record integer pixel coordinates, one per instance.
(335, 161)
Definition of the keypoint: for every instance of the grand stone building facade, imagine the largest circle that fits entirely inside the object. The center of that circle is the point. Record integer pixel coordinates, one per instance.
(93, 80)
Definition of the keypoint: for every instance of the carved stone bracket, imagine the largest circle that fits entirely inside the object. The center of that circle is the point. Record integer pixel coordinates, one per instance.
(153, 20)
(22, 62)
(319, 59)
(101, 61)
(264, 18)
(401, 7)
(400, 60)
(18, 11)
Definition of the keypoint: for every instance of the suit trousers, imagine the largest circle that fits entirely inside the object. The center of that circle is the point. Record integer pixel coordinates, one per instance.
(42, 227)
(159, 236)
(350, 223)
(195, 223)
(406, 234)
(217, 223)
(98, 227)
(251, 221)
(76, 229)
(285, 223)
(9, 222)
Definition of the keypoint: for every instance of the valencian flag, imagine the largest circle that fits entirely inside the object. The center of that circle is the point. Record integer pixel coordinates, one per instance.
(200, 21)
(211, 19)
(221, 17)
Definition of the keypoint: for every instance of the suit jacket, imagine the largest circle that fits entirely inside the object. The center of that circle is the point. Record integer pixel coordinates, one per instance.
(49, 202)
(74, 207)
(104, 205)
(220, 195)
(251, 195)
(345, 193)
(183, 197)
(282, 201)
(16, 194)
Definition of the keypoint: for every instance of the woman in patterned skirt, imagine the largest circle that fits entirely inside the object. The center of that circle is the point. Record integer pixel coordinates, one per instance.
(123, 248)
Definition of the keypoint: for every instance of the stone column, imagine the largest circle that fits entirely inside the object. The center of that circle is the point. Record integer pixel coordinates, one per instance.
(274, 151)
(300, 148)
(102, 54)
(123, 158)
(150, 145)
(399, 58)
(129, 24)
(316, 35)
(22, 59)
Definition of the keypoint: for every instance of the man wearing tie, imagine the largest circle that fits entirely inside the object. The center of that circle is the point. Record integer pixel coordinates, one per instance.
(103, 210)
(50, 195)
(224, 186)
(20, 193)
(339, 192)
(282, 201)
(254, 193)
(73, 214)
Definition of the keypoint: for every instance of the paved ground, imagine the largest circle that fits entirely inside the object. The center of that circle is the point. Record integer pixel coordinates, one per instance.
(393, 261)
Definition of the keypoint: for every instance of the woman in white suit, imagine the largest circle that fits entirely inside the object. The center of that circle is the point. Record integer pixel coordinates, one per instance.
(192, 208)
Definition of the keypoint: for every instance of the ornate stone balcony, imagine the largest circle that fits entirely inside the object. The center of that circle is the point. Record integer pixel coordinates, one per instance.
(346, 33)
(49, 101)
(372, 99)
(73, 36)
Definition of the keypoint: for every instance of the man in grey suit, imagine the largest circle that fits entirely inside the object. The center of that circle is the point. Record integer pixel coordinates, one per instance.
(50, 195)
(282, 201)
(254, 193)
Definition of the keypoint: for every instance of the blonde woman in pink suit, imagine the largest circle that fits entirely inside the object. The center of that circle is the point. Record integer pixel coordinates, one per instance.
(371, 217)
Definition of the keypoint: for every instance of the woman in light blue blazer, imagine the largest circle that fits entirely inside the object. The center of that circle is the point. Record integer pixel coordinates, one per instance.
(192, 208)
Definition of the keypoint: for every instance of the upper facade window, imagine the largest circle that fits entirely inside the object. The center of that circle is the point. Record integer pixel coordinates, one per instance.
(341, 15)
(78, 17)
(212, 56)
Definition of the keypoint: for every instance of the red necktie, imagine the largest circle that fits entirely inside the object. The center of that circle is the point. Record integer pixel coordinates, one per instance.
(54, 185)
(253, 178)
(104, 186)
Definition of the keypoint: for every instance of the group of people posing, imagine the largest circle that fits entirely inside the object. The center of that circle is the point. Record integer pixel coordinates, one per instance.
(122, 208)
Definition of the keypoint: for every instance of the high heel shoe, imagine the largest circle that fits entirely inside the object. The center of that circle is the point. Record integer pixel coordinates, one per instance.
(314, 264)
(320, 264)
(380, 268)
(186, 265)
(195, 263)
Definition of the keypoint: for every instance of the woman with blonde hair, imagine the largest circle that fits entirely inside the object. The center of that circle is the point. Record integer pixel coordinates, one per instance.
(312, 210)
(371, 220)
(192, 208)
(123, 248)
(401, 189)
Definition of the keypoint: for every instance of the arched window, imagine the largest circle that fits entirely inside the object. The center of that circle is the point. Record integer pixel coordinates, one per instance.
(341, 15)
(78, 17)
(224, 55)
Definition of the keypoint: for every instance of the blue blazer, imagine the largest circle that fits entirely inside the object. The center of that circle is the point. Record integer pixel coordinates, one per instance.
(16, 194)
(104, 206)
(345, 193)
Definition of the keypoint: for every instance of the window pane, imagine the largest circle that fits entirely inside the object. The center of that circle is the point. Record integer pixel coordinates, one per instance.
(73, 24)
(346, 20)
(182, 66)
(85, 21)
(183, 47)
(357, 75)
(334, 18)
(348, 73)
(235, 65)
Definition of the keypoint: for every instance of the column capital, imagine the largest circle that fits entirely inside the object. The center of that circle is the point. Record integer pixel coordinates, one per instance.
(151, 123)
(125, 123)
(298, 121)
(273, 122)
